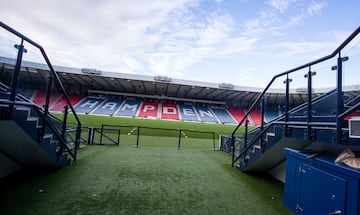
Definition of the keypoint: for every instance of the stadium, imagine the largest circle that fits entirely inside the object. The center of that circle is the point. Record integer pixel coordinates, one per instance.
(87, 141)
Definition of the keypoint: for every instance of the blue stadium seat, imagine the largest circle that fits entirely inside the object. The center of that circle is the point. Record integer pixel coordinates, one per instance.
(129, 108)
(206, 115)
(270, 115)
(223, 115)
(88, 104)
(108, 107)
(188, 113)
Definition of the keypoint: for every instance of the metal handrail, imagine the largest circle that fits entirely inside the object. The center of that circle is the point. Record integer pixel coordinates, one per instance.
(48, 122)
(63, 91)
(333, 54)
(286, 73)
(59, 86)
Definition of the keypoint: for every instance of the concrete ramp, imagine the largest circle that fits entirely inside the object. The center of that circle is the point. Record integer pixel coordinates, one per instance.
(273, 161)
(8, 166)
(275, 155)
(18, 149)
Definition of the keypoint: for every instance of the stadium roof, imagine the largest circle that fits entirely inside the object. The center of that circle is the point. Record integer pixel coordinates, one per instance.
(91, 81)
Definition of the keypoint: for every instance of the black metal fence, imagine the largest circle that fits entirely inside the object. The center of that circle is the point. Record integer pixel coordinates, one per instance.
(141, 135)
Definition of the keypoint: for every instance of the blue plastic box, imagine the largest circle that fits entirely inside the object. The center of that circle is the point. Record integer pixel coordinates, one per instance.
(320, 186)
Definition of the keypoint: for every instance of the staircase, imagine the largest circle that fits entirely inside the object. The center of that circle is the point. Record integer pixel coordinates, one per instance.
(30, 137)
(317, 125)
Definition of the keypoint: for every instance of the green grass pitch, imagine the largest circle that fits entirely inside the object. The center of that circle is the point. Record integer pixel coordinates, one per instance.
(154, 179)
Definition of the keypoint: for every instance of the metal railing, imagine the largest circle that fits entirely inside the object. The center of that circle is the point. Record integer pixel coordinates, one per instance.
(53, 78)
(339, 115)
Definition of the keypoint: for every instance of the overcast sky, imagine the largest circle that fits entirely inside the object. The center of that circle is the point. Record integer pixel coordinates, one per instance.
(243, 42)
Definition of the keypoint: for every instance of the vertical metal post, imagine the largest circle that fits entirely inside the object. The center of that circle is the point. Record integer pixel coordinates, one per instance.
(66, 111)
(178, 148)
(47, 100)
(287, 95)
(309, 103)
(214, 141)
(77, 141)
(63, 132)
(262, 112)
(48, 94)
(101, 133)
(118, 140)
(90, 135)
(137, 139)
(246, 132)
(233, 150)
(245, 136)
(15, 78)
(339, 100)
(262, 119)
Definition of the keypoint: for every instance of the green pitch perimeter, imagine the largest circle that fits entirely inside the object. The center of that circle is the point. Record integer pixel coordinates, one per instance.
(154, 179)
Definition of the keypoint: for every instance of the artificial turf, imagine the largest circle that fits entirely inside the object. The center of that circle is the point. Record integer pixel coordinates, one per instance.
(155, 178)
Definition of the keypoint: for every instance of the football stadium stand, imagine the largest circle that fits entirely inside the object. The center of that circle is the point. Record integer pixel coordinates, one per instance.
(188, 113)
(223, 115)
(255, 117)
(206, 115)
(149, 110)
(112, 106)
(129, 108)
(88, 104)
(61, 102)
(270, 115)
(237, 114)
(169, 111)
(108, 107)
(39, 98)
(154, 110)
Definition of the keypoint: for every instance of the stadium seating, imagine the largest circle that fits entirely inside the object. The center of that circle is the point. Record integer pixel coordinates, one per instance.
(135, 108)
(108, 107)
(88, 104)
(39, 98)
(238, 114)
(61, 102)
(169, 111)
(28, 93)
(149, 110)
(206, 115)
(270, 115)
(188, 113)
(223, 115)
(129, 108)
(255, 116)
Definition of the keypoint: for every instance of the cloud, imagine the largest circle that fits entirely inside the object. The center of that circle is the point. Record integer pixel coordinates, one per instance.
(281, 5)
(173, 38)
(276, 16)
(315, 7)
